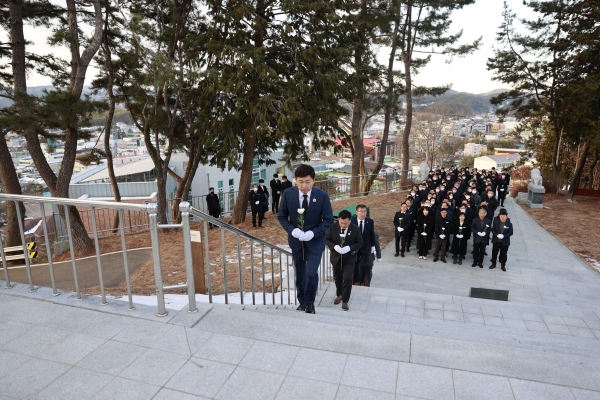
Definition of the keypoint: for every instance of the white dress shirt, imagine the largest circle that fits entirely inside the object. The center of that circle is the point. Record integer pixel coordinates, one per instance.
(301, 198)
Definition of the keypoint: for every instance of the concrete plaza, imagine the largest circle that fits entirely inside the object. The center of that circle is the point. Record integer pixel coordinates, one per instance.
(414, 334)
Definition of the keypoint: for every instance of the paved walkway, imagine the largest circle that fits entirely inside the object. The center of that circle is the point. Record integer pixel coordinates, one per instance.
(59, 347)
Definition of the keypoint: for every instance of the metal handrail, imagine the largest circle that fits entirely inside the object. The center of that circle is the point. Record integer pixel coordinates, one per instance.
(61, 201)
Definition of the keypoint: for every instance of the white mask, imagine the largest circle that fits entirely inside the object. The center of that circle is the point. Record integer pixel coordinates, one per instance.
(255, 189)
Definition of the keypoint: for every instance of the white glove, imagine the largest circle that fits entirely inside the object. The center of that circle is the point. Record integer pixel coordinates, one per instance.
(400, 229)
(307, 236)
(258, 202)
(502, 190)
(379, 260)
(482, 234)
(297, 233)
(338, 249)
(424, 234)
(373, 249)
(442, 236)
(500, 236)
(459, 236)
(278, 192)
(345, 249)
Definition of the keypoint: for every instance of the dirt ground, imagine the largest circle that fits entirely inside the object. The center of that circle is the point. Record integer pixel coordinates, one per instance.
(576, 225)
(382, 209)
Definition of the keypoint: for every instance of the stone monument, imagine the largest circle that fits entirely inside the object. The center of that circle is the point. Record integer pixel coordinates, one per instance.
(535, 190)
(423, 172)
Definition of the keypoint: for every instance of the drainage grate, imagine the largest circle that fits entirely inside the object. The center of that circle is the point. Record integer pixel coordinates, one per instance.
(489, 294)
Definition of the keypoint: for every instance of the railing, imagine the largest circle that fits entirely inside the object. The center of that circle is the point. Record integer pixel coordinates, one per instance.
(253, 282)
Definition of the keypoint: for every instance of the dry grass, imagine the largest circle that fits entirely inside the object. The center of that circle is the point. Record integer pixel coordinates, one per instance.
(382, 210)
(576, 225)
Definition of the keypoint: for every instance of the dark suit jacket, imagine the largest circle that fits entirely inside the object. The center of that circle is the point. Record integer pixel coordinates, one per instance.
(353, 239)
(318, 218)
(286, 185)
(478, 226)
(405, 224)
(265, 191)
(212, 202)
(257, 196)
(368, 234)
(507, 231)
(276, 186)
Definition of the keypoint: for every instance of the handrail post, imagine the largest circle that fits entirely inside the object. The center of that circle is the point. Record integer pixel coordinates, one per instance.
(185, 208)
(4, 265)
(160, 293)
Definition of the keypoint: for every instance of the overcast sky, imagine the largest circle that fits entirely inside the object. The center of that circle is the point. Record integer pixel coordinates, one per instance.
(468, 74)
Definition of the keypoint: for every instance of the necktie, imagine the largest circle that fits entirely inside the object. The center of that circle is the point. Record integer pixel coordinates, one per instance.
(361, 227)
(305, 202)
(343, 231)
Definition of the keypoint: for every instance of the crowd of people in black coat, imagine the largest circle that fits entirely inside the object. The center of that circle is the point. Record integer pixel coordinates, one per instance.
(452, 207)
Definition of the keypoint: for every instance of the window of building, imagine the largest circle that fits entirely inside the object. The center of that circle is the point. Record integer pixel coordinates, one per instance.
(220, 185)
(231, 182)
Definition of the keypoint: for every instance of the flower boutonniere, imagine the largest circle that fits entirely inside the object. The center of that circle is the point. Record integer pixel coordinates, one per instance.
(314, 200)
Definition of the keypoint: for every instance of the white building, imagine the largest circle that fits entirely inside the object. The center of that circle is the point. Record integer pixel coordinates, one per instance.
(474, 149)
(498, 162)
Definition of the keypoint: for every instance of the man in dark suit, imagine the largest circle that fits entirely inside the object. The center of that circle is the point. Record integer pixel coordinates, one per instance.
(481, 237)
(367, 227)
(265, 204)
(285, 183)
(213, 204)
(403, 223)
(306, 235)
(502, 230)
(256, 199)
(344, 240)
(276, 189)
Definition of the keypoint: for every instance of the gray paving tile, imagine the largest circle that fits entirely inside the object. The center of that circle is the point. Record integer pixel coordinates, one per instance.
(298, 388)
(10, 330)
(529, 316)
(196, 338)
(170, 394)
(105, 325)
(434, 305)
(224, 348)
(578, 322)
(414, 311)
(536, 326)
(581, 394)
(434, 313)
(508, 313)
(592, 323)
(396, 301)
(597, 333)
(553, 319)
(318, 365)
(415, 303)
(453, 316)
(73, 349)
(120, 388)
(354, 393)
(473, 386)
(201, 377)
(11, 361)
(474, 319)
(515, 323)
(370, 373)
(491, 312)
(379, 299)
(31, 377)
(154, 367)
(174, 341)
(270, 357)
(535, 390)
(77, 383)
(453, 307)
(425, 381)
(142, 332)
(559, 329)
(112, 357)
(251, 384)
(582, 332)
(36, 341)
(493, 321)
(469, 309)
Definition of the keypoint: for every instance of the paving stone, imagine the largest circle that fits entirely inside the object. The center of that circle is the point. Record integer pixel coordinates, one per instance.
(474, 319)
(414, 312)
(581, 394)
(318, 365)
(434, 305)
(201, 377)
(473, 386)
(425, 381)
(397, 301)
(592, 323)
(379, 299)
(252, 384)
(582, 332)
(106, 325)
(31, 377)
(370, 373)
(174, 341)
(224, 348)
(493, 321)
(354, 393)
(468, 309)
(553, 319)
(302, 389)
(154, 367)
(394, 309)
(270, 357)
(10, 330)
(77, 383)
(578, 322)
(453, 307)
(536, 326)
(415, 303)
(491, 312)
(11, 361)
(558, 329)
(535, 390)
(112, 357)
(509, 313)
(142, 333)
(529, 316)
(196, 338)
(453, 316)
(170, 394)
(73, 349)
(597, 333)
(120, 388)
(36, 341)
(515, 323)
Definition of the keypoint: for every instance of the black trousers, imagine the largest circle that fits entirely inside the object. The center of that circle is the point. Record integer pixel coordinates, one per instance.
(342, 275)
(401, 241)
(275, 203)
(440, 244)
(478, 253)
(423, 244)
(499, 247)
(361, 269)
(501, 197)
(260, 214)
(214, 213)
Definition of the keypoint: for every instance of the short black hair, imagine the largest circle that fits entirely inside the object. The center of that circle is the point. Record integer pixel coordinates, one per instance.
(284, 177)
(211, 188)
(261, 181)
(503, 211)
(275, 176)
(344, 214)
(361, 206)
(304, 170)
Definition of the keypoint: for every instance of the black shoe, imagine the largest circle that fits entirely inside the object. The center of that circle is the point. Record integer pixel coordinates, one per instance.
(480, 265)
(492, 266)
(435, 259)
(454, 261)
(401, 254)
(407, 250)
(301, 307)
(473, 265)
(503, 268)
(443, 260)
(485, 253)
(396, 255)
(460, 261)
(310, 308)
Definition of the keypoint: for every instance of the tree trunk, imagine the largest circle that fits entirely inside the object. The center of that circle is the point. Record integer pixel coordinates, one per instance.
(357, 143)
(408, 125)
(108, 123)
(241, 203)
(10, 182)
(579, 168)
(593, 170)
(184, 183)
(555, 158)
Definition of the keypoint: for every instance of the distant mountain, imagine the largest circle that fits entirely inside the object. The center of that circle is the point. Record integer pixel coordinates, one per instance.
(459, 103)
(39, 91)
